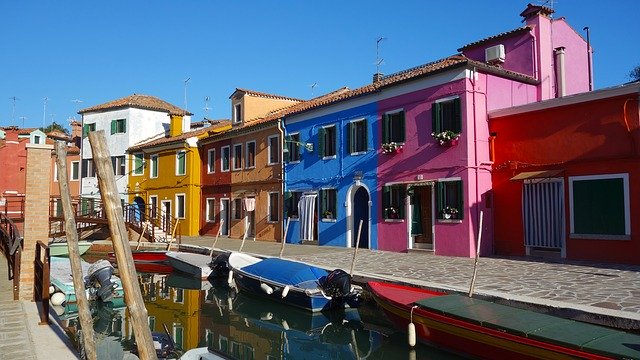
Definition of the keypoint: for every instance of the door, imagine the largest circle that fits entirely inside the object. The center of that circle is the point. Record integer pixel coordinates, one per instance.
(250, 208)
(153, 208)
(224, 216)
(361, 214)
(166, 215)
(139, 212)
(543, 214)
(420, 201)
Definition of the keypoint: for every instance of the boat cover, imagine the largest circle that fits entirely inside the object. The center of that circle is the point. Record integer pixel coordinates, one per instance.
(286, 272)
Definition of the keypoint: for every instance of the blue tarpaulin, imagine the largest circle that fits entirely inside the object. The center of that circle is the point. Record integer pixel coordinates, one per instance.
(285, 272)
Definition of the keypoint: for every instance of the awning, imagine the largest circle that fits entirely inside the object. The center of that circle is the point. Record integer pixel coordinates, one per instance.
(544, 174)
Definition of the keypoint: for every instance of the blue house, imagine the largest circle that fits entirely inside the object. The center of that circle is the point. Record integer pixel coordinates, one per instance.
(330, 172)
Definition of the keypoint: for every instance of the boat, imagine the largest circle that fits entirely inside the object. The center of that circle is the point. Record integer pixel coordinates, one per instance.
(153, 268)
(203, 353)
(143, 256)
(62, 248)
(195, 265)
(490, 330)
(100, 283)
(294, 283)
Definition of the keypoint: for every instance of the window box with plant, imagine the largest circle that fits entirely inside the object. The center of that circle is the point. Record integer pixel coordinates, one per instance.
(327, 214)
(449, 200)
(392, 147)
(446, 138)
(392, 213)
(450, 212)
(446, 121)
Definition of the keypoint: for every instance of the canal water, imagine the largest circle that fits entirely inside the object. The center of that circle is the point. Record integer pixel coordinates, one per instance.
(238, 326)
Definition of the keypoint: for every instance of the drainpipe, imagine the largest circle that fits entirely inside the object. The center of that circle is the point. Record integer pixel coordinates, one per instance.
(560, 73)
(282, 144)
(475, 147)
(586, 28)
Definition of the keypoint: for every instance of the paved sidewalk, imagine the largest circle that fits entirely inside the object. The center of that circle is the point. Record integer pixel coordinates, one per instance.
(604, 293)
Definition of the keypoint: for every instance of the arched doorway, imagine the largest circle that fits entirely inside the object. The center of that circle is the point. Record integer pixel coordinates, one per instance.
(360, 213)
(140, 207)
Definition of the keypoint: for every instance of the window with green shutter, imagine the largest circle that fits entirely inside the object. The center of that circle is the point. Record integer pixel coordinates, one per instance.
(450, 199)
(327, 141)
(87, 128)
(138, 164)
(393, 127)
(291, 200)
(357, 136)
(599, 204)
(292, 147)
(393, 201)
(181, 162)
(328, 203)
(446, 116)
(118, 126)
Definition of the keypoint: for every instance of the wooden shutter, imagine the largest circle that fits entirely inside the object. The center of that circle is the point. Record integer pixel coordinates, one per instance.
(401, 126)
(436, 123)
(385, 128)
(124, 125)
(457, 115)
(366, 134)
(351, 143)
(401, 205)
(286, 155)
(287, 203)
(460, 203)
(85, 130)
(386, 200)
(113, 127)
(440, 190)
(321, 135)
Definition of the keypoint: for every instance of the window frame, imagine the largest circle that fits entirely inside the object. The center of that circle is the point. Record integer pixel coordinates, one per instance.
(394, 196)
(225, 149)
(210, 205)
(388, 133)
(184, 206)
(118, 126)
(250, 161)
(87, 128)
(211, 161)
(291, 201)
(237, 113)
(328, 203)
(443, 187)
(155, 166)
(323, 133)
(134, 162)
(273, 215)
(273, 152)
(184, 161)
(75, 168)
(356, 138)
(236, 209)
(293, 155)
(236, 161)
(119, 165)
(437, 116)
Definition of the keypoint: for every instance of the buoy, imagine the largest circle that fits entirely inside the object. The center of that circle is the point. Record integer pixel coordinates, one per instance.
(58, 309)
(266, 316)
(230, 278)
(411, 329)
(51, 289)
(58, 298)
(266, 288)
(285, 291)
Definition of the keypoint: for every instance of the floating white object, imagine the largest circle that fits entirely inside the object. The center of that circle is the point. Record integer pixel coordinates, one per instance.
(285, 291)
(58, 299)
(266, 316)
(51, 289)
(230, 278)
(411, 331)
(285, 325)
(266, 288)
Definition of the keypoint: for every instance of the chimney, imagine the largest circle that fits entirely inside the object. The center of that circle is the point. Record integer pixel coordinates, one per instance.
(377, 77)
(561, 84)
(175, 127)
(536, 10)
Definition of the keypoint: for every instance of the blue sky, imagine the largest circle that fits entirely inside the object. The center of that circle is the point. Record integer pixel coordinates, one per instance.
(97, 51)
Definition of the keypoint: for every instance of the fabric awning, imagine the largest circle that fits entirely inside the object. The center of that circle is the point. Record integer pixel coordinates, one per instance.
(544, 174)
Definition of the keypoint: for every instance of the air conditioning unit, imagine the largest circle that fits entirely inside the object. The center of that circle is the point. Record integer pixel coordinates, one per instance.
(494, 55)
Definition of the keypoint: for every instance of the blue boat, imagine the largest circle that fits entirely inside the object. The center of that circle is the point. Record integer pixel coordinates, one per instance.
(294, 283)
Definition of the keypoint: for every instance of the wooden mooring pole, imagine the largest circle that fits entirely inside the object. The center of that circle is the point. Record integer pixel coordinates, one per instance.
(113, 210)
(84, 312)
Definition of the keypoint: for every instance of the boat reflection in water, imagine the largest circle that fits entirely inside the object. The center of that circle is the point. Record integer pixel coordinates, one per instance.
(213, 318)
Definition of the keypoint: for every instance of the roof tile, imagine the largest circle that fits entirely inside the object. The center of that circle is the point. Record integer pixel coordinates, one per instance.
(138, 101)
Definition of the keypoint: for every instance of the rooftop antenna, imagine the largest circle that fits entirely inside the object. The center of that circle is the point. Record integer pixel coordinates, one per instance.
(44, 112)
(185, 93)
(379, 61)
(23, 118)
(206, 107)
(313, 87)
(13, 110)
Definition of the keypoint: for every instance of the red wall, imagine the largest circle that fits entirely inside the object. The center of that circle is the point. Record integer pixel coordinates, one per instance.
(215, 185)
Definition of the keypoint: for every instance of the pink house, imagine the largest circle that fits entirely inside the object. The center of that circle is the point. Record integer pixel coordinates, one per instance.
(435, 160)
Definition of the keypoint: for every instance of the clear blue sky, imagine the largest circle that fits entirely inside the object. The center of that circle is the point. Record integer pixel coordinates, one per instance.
(97, 51)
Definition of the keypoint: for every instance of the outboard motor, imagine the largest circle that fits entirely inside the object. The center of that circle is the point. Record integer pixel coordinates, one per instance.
(220, 265)
(337, 284)
(98, 280)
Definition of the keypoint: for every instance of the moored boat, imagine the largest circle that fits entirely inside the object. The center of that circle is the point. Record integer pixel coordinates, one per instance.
(294, 283)
(196, 265)
(144, 256)
(489, 330)
(62, 248)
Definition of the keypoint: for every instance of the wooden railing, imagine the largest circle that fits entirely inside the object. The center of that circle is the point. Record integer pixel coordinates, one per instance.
(41, 280)
(12, 207)
(11, 245)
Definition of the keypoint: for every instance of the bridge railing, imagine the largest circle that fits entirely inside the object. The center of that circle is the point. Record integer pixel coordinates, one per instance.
(11, 245)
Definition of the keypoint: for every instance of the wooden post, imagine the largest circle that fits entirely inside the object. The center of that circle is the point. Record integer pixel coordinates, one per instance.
(355, 252)
(113, 210)
(246, 229)
(475, 265)
(284, 239)
(84, 312)
(216, 240)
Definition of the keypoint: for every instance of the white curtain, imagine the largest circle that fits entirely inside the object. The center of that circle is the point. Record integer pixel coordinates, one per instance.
(249, 203)
(306, 209)
(543, 214)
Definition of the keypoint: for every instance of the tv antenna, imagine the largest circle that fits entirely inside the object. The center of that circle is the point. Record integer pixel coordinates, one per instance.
(379, 61)
(313, 87)
(185, 94)
(206, 106)
(44, 112)
(13, 109)
(23, 118)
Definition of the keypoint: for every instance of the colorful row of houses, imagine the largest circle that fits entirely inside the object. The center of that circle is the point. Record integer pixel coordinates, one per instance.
(504, 138)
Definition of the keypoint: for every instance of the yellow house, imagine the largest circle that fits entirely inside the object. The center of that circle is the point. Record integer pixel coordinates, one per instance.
(165, 180)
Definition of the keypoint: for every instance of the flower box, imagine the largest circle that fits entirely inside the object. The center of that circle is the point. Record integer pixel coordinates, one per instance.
(446, 138)
(391, 148)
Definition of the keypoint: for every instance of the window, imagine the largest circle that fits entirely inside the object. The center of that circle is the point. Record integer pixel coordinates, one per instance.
(138, 164)
(358, 136)
(328, 202)
(88, 128)
(153, 206)
(291, 200)
(600, 206)
(178, 333)
(88, 170)
(223, 344)
(274, 150)
(211, 161)
(446, 115)
(292, 148)
(250, 160)
(75, 170)
(211, 210)
(180, 206)
(274, 207)
(237, 209)
(393, 127)
(237, 113)
(118, 126)
(209, 338)
(152, 323)
(225, 159)
(36, 139)
(154, 166)
(237, 157)
(327, 141)
(181, 162)
(119, 165)
(449, 195)
(393, 202)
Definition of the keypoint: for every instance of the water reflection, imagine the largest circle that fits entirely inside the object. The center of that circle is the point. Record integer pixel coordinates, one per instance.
(214, 318)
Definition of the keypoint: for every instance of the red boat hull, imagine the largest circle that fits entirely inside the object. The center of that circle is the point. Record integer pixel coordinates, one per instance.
(144, 256)
(458, 335)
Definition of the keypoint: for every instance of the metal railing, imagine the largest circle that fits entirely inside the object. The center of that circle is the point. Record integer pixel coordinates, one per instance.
(11, 245)
(41, 281)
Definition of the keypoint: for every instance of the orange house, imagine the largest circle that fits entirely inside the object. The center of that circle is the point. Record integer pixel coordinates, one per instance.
(566, 177)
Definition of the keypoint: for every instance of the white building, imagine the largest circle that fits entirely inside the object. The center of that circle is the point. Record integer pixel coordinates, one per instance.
(125, 122)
